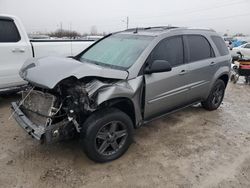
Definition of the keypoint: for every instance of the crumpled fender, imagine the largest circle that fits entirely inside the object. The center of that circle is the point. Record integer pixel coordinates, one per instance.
(130, 89)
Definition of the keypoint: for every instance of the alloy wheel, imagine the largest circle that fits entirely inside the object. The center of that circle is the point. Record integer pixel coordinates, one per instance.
(110, 138)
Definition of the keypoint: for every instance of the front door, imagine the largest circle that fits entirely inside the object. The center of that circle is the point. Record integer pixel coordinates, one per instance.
(167, 90)
(13, 52)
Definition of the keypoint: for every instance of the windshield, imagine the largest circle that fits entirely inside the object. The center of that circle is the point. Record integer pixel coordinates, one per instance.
(117, 51)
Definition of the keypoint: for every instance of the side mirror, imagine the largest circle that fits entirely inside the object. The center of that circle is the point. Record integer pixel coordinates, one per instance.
(158, 66)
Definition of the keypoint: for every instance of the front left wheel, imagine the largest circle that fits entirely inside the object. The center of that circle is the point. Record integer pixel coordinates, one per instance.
(106, 135)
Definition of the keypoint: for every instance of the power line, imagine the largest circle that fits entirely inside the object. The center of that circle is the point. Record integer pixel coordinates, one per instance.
(183, 12)
(188, 11)
(225, 2)
(209, 19)
(221, 18)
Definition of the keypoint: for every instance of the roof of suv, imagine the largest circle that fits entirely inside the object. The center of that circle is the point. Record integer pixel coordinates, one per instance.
(155, 31)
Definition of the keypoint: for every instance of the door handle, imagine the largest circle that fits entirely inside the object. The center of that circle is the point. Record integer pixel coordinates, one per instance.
(16, 50)
(183, 72)
(212, 63)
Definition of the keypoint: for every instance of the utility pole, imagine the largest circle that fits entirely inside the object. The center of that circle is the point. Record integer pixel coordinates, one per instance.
(127, 21)
(70, 30)
(70, 26)
(60, 35)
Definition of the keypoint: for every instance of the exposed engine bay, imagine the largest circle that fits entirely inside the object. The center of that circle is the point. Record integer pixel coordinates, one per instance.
(60, 112)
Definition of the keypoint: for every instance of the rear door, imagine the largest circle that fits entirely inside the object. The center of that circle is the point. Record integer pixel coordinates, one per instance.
(13, 52)
(201, 64)
(167, 90)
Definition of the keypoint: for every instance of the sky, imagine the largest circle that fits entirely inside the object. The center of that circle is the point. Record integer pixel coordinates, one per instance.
(224, 16)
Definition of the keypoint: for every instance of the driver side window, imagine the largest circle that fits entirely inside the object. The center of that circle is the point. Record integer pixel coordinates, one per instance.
(171, 50)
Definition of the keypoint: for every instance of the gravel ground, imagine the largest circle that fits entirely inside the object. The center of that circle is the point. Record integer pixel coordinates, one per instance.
(191, 148)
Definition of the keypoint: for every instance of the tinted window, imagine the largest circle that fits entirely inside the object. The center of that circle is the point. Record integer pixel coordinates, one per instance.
(170, 49)
(199, 48)
(221, 45)
(8, 31)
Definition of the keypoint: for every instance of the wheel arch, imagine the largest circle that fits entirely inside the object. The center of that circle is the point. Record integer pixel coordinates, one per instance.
(224, 78)
(222, 74)
(124, 104)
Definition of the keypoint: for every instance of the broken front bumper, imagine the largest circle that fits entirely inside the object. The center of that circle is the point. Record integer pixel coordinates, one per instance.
(32, 129)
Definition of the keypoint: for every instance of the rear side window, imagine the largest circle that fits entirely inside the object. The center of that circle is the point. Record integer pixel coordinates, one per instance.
(171, 50)
(8, 31)
(199, 48)
(220, 45)
(247, 46)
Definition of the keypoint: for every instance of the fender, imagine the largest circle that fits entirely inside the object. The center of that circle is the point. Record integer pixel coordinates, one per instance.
(128, 89)
(225, 70)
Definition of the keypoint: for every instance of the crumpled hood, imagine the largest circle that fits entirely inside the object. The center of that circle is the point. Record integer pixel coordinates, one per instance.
(49, 71)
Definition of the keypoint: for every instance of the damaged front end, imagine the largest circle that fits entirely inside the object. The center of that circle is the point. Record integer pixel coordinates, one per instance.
(51, 115)
(37, 113)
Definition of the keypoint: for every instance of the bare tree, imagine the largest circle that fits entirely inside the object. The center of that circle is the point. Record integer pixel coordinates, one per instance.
(93, 30)
(64, 33)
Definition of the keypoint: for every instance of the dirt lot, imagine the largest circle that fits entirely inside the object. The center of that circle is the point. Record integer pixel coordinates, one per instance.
(192, 148)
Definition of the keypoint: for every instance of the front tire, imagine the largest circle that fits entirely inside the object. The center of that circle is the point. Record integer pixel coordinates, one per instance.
(215, 97)
(106, 135)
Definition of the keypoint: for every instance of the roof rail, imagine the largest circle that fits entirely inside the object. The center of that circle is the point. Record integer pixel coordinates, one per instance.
(148, 28)
(201, 28)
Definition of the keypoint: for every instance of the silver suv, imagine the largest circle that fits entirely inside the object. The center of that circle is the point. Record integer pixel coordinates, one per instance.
(120, 83)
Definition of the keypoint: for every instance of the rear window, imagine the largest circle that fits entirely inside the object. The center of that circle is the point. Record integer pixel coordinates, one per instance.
(8, 31)
(199, 48)
(221, 45)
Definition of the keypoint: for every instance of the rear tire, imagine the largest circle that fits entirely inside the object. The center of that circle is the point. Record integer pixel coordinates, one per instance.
(106, 135)
(215, 97)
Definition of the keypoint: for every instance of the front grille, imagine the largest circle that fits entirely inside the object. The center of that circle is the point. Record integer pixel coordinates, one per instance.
(38, 106)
